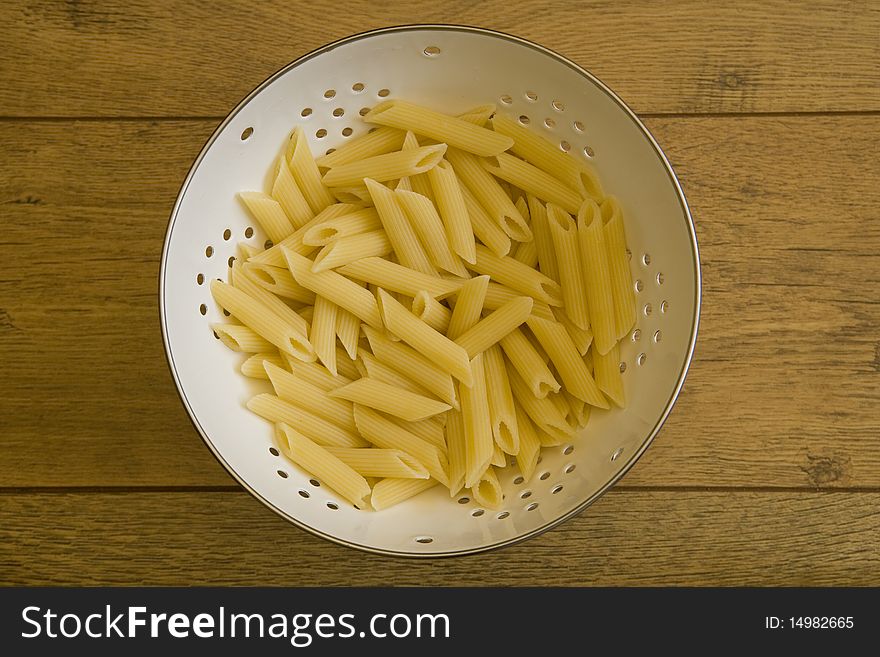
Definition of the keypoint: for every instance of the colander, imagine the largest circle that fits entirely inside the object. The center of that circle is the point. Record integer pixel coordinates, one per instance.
(449, 68)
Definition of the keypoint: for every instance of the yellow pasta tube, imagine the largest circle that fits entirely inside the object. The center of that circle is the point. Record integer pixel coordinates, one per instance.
(561, 402)
(607, 370)
(495, 326)
(501, 406)
(526, 252)
(529, 445)
(487, 490)
(390, 399)
(431, 311)
(303, 394)
(526, 360)
(542, 411)
(488, 232)
(497, 295)
(543, 240)
(477, 425)
(447, 194)
(498, 459)
(478, 115)
(348, 330)
(323, 333)
(397, 278)
(518, 276)
(414, 365)
(262, 320)
(457, 454)
(278, 280)
(376, 369)
(442, 127)
(468, 306)
(382, 432)
(314, 427)
(274, 255)
(579, 408)
(357, 195)
(533, 180)
(490, 195)
(620, 277)
(430, 430)
(240, 338)
(268, 213)
(354, 247)
(360, 221)
(389, 166)
(245, 283)
(400, 232)
(376, 462)
(418, 183)
(392, 491)
(379, 141)
(567, 360)
(435, 346)
(426, 222)
(582, 338)
(564, 232)
(253, 366)
(316, 374)
(336, 288)
(287, 193)
(306, 173)
(597, 276)
(317, 461)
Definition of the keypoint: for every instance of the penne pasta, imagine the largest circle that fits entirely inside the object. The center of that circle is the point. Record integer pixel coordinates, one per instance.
(348, 330)
(376, 462)
(579, 408)
(390, 399)
(389, 166)
(303, 394)
(518, 276)
(457, 451)
(543, 240)
(526, 360)
(529, 445)
(242, 281)
(278, 281)
(336, 288)
(360, 221)
(451, 206)
(568, 362)
(607, 370)
(379, 141)
(431, 311)
(499, 460)
(306, 173)
(268, 213)
(418, 183)
(468, 306)
(542, 411)
(291, 199)
(344, 250)
(501, 406)
(564, 232)
(582, 338)
(400, 232)
(456, 132)
(313, 427)
(316, 374)
(317, 461)
(478, 115)
(486, 230)
(253, 366)
(428, 227)
(487, 491)
(376, 369)
(497, 295)
(477, 425)
(597, 276)
(323, 333)
(344, 364)
(435, 346)
(274, 255)
(240, 338)
(620, 277)
(397, 278)
(430, 430)
(495, 326)
(392, 491)
(533, 180)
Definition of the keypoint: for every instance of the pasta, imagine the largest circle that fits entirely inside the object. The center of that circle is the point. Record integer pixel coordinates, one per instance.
(446, 319)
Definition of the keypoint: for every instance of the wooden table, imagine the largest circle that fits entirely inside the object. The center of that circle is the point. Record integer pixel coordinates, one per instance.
(767, 472)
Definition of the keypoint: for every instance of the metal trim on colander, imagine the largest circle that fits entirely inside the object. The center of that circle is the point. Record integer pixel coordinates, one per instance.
(633, 457)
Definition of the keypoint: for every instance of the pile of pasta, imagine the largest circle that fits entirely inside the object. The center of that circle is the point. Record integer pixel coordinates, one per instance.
(439, 295)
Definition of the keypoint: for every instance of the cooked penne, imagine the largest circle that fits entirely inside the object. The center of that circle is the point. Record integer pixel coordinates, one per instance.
(268, 213)
(287, 193)
(253, 367)
(597, 276)
(411, 364)
(375, 369)
(490, 195)
(316, 374)
(306, 173)
(376, 462)
(390, 399)
(312, 426)
(357, 195)
(436, 346)
(457, 454)
(240, 338)
(478, 115)
(336, 288)
(389, 166)
(379, 141)
(561, 402)
(242, 281)
(262, 320)
(618, 268)
(426, 222)
(430, 430)
(495, 326)
(418, 183)
(477, 424)
(543, 240)
(360, 221)
(532, 180)
(582, 338)
(579, 408)
(607, 370)
(527, 361)
(344, 364)
(246, 251)
(499, 460)
(431, 311)
(400, 232)
(349, 249)
(348, 330)
(484, 228)
(468, 306)
(323, 332)
(497, 295)
(382, 432)
(542, 411)
(274, 255)
(397, 278)
(564, 232)
(529, 445)
(487, 490)
(501, 406)
(516, 275)
(453, 211)
(442, 127)
(317, 461)
(391, 491)
(526, 253)
(278, 281)
(568, 362)
(303, 394)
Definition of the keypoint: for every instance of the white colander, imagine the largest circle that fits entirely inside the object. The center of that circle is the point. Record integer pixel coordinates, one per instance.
(451, 69)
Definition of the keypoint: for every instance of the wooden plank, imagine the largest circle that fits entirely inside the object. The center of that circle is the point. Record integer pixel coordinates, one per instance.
(741, 538)
(783, 391)
(171, 59)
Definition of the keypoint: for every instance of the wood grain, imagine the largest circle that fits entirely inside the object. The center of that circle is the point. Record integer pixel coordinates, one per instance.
(784, 390)
(627, 538)
(146, 58)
